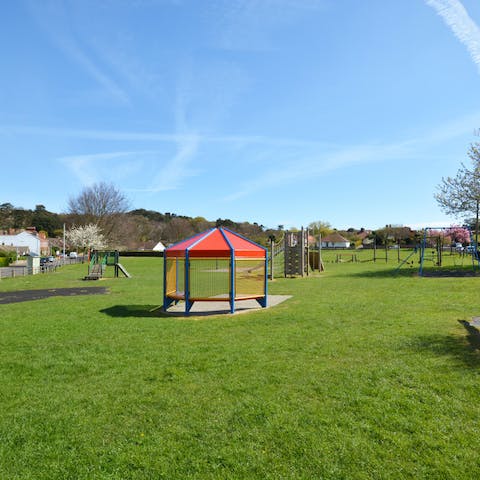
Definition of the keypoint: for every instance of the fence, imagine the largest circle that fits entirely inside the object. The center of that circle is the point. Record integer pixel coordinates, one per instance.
(21, 271)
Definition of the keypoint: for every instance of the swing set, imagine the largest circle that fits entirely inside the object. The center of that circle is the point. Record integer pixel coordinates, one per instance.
(436, 250)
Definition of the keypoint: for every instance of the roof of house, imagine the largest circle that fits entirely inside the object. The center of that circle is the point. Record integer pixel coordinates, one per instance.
(335, 237)
(159, 247)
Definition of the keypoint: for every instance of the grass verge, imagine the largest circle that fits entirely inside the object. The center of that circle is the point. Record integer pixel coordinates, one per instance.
(360, 375)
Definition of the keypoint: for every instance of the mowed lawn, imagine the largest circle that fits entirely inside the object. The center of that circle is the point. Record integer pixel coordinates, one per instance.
(360, 375)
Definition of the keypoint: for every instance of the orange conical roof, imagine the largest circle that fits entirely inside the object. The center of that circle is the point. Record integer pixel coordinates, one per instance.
(216, 242)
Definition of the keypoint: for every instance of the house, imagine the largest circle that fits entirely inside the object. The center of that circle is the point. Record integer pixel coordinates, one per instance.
(335, 240)
(27, 241)
(159, 247)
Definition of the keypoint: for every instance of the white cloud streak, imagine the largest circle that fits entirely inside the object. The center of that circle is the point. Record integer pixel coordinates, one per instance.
(319, 164)
(79, 56)
(278, 161)
(90, 168)
(54, 20)
(463, 27)
(251, 25)
(157, 137)
(178, 168)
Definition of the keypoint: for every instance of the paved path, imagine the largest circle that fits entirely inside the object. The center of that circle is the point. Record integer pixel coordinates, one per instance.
(29, 295)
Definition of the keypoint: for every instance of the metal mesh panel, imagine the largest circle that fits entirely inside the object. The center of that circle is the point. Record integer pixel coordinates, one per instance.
(175, 276)
(209, 278)
(250, 277)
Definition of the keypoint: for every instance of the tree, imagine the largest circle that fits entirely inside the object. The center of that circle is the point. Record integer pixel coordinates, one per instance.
(177, 229)
(6, 210)
(320, 227)
(86, 237)
(458, 234)
(98, 201)
(101, 204)
(42, 219)
(460, 195)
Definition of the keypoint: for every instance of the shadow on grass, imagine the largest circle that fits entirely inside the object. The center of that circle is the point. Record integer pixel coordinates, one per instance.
(413, 272)
(386, 273)
(464, 349)
(123, 311)
(473, 336)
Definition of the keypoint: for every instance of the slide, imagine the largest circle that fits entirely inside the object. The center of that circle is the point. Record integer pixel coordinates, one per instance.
(123, 270)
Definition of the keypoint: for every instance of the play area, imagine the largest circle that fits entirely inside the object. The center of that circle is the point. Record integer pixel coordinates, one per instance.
(212, 266)
(355, 357)
(445, 251)
(100, 260)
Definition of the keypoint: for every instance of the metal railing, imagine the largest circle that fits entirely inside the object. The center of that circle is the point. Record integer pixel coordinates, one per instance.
(21, 271)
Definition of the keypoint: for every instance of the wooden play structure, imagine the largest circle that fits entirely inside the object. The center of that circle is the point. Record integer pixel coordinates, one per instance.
(296, 253)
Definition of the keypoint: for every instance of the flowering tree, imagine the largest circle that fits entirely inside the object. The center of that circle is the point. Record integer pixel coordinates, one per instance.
(458, 234)
(86, 237)
(460, 195)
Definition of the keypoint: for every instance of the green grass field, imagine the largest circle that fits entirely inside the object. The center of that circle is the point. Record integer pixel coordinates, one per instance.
(360, 375)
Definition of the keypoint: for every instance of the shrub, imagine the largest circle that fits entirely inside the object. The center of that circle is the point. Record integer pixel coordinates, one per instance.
(7, 257)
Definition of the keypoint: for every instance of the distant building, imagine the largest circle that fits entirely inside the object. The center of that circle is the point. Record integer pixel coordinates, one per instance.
(159, 247)
(335, 240)
(27, 241)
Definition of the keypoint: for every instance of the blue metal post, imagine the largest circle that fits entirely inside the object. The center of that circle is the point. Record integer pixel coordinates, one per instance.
(263, 301)
(165, 303)
(475, 249)
(188, 304)
(422, 251)
(232, 271)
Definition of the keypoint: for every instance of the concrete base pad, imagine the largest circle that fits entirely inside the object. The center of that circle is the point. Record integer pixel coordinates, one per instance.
(222, 308)
(475, 322)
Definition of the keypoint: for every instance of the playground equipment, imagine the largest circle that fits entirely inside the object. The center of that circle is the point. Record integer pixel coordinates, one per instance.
(434, 250)
(277, 248)
(296, 253)
(215, 265)
(344, 258)
(407, 260)
(99, 260)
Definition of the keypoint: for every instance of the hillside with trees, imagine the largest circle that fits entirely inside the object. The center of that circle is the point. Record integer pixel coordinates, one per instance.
(105, 206)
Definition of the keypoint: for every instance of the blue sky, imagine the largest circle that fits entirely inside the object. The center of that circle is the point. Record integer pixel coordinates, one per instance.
(274, 111)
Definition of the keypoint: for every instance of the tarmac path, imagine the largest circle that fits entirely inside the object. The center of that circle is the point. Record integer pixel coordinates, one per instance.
(29, 295)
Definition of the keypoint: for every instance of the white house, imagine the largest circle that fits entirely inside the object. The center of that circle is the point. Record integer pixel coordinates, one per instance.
(159, 247)
(25, 242)
(335, 240)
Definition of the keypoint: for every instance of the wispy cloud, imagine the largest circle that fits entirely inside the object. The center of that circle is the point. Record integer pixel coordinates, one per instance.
(458, 20)
(155, 137)
(277, 161)
(90, 168)
(54, 20)
(318, 164)
(313, 161)
(177, 169)
(250, 24)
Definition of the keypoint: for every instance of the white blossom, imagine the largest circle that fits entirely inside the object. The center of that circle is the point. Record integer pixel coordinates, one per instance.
(86, 237)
